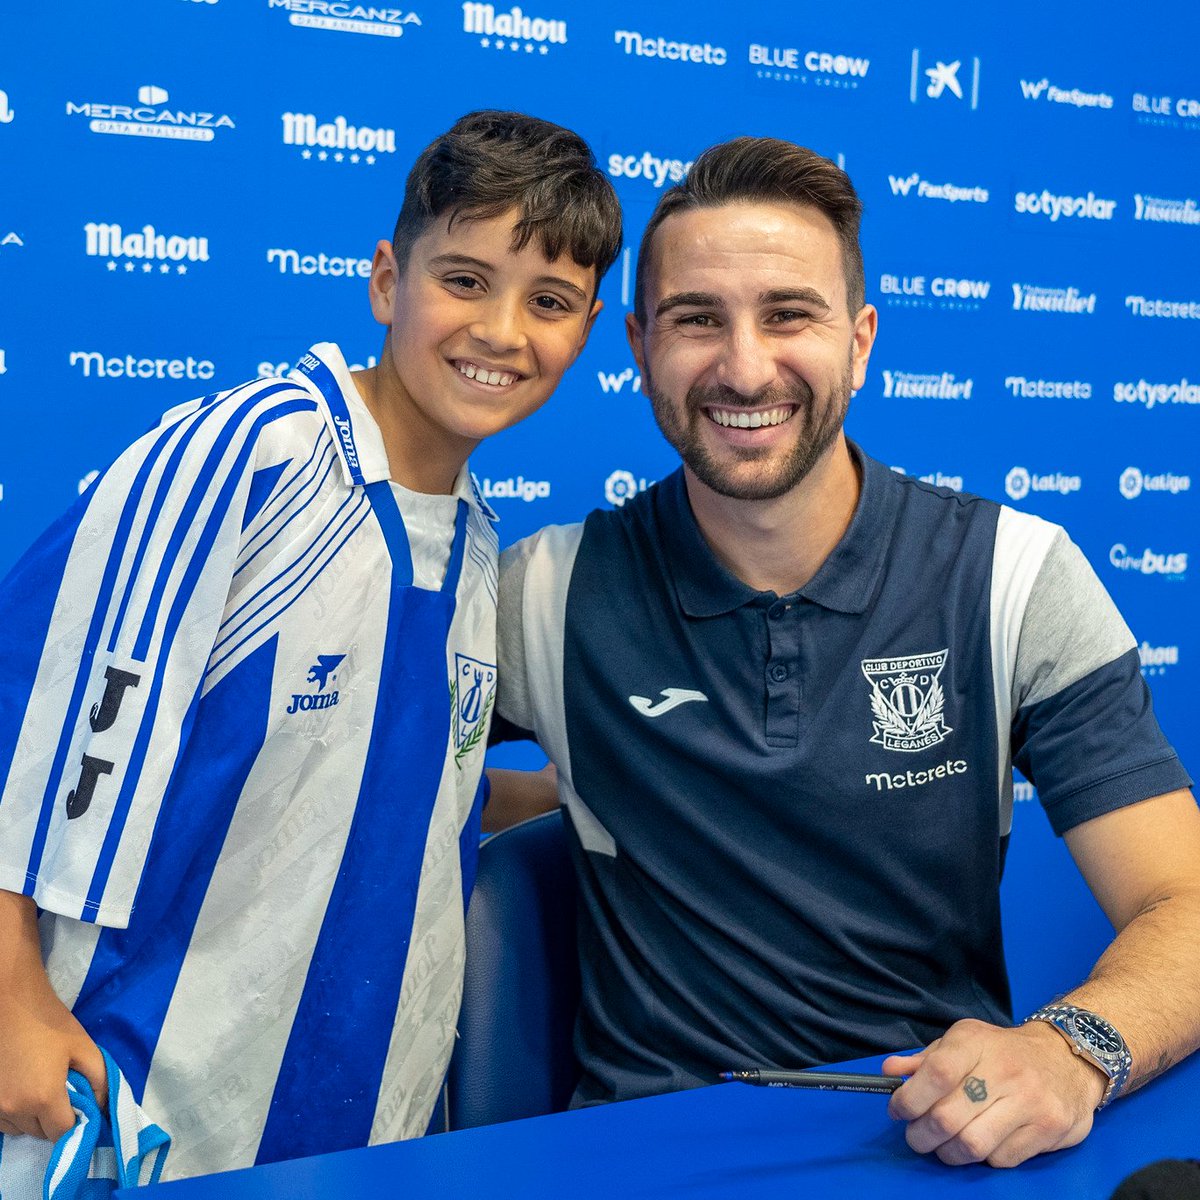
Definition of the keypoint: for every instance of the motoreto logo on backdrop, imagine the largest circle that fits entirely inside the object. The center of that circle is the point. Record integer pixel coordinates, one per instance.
(337, 140)
(953, 193)
(1032, 297)
(1048, 389)
(791, 64)
(143, 250)
(645, 45)
(95, 364)
(513, 29)
(1044, 90)
(1020, 481)
(1142, 306)
(293, 262)
(339, 17)
(151, 117)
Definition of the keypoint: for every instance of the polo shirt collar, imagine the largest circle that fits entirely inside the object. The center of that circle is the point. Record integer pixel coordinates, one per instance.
(846, 581)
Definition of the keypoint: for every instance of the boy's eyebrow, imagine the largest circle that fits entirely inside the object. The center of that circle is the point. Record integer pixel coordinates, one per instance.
(443, 261)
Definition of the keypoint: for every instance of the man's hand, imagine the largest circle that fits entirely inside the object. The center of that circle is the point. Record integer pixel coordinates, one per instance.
(39, 1038)
(1000, 1096)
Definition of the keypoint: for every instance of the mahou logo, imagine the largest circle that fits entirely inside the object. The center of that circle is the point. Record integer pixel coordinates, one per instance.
(145, 248)
(336, 140)
(512, 29)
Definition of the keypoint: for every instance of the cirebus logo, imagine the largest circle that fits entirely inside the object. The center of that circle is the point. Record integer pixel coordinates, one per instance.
(6, 112)
(905, 384)
(128, 366)
(1045, 204)
(610, 382)
(292, 262)
(1133, 482)
(1140, 391)
(515, 489)
(623, 485)
(1186, 310)
(342, 17)
(1156, 659)
(953, 193)
(1164, 211)
(936, 478)
(1048, 389)
(336, 140)
(1149, 562)
(1020, 481)
(110, 241)
(790, 64)
(940, 291)
(1043, 89)
(645, 46)
(512, 30)
(1032, 297)
(1176, 113)
(955, 80)
(149, 118)
(657, 171)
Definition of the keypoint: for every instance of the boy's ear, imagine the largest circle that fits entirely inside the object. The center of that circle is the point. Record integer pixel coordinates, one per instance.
(587, 328)
(382, 285)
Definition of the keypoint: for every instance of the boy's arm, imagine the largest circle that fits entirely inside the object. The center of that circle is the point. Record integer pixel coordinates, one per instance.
(518, 795)
(39, 1038)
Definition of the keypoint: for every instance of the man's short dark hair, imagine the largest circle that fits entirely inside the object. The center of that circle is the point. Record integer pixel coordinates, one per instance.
(489, 162)
(765, 171)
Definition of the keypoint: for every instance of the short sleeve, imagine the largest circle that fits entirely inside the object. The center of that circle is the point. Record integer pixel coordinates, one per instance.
(110, 619)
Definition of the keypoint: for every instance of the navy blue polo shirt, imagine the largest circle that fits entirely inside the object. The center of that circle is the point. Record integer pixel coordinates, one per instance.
(789, 814)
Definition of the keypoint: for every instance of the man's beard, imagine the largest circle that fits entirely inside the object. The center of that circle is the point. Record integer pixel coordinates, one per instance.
(779, 471)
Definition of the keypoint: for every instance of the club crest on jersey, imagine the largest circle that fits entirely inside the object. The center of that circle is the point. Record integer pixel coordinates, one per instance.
(472, 691)
(907, 700)
(322, 673)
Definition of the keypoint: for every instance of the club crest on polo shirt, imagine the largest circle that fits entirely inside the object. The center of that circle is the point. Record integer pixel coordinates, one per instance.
(907, 701)
(472, 691)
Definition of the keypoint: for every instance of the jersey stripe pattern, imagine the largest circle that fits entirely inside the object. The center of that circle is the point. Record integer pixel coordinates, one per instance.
(239, 777)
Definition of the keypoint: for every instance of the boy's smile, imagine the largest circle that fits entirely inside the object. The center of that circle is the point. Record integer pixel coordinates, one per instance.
(479, 336)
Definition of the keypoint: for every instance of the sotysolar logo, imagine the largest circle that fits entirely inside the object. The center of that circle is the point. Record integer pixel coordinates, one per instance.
(151, 118)
(513, 30)
(655, 171)
(1046, 204)
(1141, 391)
(339, 17)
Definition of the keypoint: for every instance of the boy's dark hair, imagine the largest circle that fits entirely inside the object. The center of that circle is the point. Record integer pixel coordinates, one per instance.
(489, 162)
(771, 171)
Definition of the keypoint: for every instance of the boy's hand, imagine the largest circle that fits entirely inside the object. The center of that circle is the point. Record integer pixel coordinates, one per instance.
(39, 1038)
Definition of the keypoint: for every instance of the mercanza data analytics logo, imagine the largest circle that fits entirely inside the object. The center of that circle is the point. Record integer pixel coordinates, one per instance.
(513, 29)
(1172, 564)
(98, 365)
(1020, 481)
(1048, 389)
(909, 385)
(293, 262)
(143, 250)
(336, 140)
(1051, 93)
(1184, 310)
(151, 117)
(6, 112)
(1033, 297)
(656, 171)
(938, 291)
(954, 80)
(953, 193)
(1154, 395)
(519, 488)
(616, 382)
(645, 45)
(790, 64)
(10, 239)
(1171, 112)
(623, 485)
(342, 17)
(953, 482)
(1160, 210)
(1134, 482)
(1156, 659)
(1054, 208)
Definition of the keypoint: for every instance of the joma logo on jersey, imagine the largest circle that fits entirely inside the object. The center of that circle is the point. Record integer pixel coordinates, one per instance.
(321, 673)
(472, 691)
(102, 717)
(907, 700)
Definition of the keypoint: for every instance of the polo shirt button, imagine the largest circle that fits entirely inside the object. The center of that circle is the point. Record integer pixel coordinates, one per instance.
(779, 672)
(777, 610)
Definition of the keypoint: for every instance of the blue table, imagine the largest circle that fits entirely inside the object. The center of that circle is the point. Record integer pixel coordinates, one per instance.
(725, 1141)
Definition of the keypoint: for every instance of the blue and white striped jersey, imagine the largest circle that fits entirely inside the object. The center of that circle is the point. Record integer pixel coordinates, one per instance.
(241, 736)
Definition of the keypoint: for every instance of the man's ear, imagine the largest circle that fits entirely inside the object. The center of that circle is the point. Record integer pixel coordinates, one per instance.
(633, 332)
(865, 327)
(382, 284)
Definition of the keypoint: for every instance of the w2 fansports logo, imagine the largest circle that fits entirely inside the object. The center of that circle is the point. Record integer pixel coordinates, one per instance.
(472, 691)
(907, 701)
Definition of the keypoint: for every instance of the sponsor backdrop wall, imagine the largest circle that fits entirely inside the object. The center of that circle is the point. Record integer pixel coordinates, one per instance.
(193, 189)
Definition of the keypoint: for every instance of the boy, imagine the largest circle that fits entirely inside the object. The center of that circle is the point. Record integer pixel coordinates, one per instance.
(242, 738)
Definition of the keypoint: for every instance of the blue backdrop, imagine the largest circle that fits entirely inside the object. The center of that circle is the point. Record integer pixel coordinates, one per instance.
(192, 190)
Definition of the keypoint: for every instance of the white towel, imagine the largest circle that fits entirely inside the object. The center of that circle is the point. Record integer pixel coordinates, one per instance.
(99, 1154)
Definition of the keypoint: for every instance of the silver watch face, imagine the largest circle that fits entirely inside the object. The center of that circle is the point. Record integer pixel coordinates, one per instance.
(1098, 1035)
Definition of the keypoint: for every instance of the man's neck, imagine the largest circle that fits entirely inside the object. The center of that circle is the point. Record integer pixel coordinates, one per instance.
(779, 545)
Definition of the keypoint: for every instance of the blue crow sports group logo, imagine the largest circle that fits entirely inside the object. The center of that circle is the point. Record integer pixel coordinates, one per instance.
(472, 692)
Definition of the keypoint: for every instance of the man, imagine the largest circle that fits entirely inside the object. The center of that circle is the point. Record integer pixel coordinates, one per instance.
(784, 690)
(248, 690)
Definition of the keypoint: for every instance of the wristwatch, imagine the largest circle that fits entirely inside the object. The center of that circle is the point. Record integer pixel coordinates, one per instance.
(1093, 1038)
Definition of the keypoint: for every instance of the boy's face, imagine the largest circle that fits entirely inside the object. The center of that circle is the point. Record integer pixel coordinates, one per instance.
(479, 334)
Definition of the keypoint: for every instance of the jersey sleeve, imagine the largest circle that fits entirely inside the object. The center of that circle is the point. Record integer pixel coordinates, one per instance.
(1084, 731)
(109, 621)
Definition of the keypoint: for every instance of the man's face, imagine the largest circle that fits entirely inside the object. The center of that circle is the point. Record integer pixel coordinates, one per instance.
(749, 353)
(480, 333)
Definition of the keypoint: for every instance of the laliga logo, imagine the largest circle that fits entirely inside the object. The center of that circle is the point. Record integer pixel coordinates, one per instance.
(623, 485)
(1016, 483)
(1019, 482)
(1134, 482)
(1131, 483)
(515, 489)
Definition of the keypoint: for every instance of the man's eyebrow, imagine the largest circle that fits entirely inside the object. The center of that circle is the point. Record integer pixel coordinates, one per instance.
(688, 300)
(444, 261)
(801, 295)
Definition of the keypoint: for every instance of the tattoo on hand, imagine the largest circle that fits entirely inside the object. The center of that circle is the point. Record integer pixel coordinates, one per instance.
(975, 1089)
